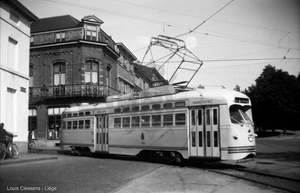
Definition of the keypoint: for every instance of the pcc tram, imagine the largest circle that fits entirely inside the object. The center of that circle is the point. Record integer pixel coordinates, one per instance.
(200, 123)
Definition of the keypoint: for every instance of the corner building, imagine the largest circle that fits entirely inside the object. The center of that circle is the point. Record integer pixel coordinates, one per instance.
(72, 62)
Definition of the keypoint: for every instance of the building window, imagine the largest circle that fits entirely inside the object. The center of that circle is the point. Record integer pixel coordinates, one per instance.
(31, 40)
(30, 75)
(54, 122)
(60, 37)
(91, 72)
(32, 124)
(108, 79)
(125, 87)
(14, 17)
(91, 32)
(59, 71)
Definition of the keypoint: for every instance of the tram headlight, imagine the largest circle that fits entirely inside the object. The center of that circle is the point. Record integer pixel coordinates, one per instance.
(251, 137)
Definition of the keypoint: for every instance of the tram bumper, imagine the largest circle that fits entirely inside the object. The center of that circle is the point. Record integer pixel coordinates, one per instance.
(248, 158)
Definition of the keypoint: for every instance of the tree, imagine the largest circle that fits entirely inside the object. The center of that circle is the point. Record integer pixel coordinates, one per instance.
(276, 99)
(237, 88)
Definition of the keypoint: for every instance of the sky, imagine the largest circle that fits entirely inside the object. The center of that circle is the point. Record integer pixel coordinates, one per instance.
(235, 39)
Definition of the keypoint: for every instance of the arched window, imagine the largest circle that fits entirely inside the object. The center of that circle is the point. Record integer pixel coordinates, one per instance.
(91, 69)
(59, 72)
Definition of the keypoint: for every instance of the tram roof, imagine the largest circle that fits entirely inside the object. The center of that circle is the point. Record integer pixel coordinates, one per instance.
(163, 95)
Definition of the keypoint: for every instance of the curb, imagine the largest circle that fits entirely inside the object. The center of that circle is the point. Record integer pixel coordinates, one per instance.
(17, 161)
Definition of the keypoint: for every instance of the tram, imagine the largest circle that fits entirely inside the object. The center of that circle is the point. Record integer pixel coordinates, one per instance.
(199, 123)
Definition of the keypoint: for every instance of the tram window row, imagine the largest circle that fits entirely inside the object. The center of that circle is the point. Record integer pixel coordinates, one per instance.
(149, 107)
(176, 119)
(76, 124)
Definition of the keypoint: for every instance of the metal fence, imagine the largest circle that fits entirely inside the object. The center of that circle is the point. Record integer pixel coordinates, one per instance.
(64, 91)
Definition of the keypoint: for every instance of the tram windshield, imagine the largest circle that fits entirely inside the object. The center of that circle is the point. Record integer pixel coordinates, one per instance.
(239, 114)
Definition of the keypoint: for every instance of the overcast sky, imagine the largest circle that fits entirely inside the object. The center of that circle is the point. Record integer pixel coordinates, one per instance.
(234, 39)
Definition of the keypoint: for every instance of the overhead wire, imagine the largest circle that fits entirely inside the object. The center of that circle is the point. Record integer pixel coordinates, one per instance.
(226, 36)
(191, 31)
(194, 16)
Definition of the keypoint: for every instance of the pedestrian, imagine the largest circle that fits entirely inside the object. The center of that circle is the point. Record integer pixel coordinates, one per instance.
(2, 132)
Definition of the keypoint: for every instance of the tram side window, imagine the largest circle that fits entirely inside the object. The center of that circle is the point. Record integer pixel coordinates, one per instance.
(135, 108)
(74, 124)
(156, 120)
(193, 117)
(117, 110)
(87, 124)
(126, 109)
(64, 125)
(69, 125)
(135, 121)
(199, 117)
(180, 104)
(167, 105)
(126, 122)
(81, 124)
(215, 116)
(145, 107)
(168, 119)
(156, 106)
(180, 119)
(145, 121)
(117, 122)
(208, 117)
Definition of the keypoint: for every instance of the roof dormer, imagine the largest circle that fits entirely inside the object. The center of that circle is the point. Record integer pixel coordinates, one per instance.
(91, 26)
(91, 19)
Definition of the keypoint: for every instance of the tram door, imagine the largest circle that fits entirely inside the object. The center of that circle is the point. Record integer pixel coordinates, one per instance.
(204, 131)
(102, 133)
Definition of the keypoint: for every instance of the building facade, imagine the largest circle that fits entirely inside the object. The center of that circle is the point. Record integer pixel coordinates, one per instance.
(72, 62)
(15, 22)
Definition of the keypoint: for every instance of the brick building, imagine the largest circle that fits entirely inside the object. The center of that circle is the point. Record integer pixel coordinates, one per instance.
(73, 62)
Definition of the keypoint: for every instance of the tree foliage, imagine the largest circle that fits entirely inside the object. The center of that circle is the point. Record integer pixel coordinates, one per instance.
(275, 99)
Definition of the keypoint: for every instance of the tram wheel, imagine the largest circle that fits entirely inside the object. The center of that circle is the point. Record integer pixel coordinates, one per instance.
(179, 159)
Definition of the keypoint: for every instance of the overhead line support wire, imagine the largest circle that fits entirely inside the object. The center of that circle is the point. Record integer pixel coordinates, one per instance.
(191, 31)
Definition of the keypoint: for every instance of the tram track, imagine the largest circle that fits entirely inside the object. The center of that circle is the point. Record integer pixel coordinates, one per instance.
(268, 179)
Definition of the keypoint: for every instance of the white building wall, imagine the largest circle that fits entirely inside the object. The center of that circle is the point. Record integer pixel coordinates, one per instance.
(14, 73)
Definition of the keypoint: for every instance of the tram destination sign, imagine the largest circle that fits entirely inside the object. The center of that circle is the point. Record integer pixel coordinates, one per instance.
(204, 101)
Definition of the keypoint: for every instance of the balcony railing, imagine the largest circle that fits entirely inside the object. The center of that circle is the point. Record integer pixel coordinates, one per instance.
(64, 91)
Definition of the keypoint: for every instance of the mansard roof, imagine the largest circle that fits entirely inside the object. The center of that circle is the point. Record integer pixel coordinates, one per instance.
(54, 23)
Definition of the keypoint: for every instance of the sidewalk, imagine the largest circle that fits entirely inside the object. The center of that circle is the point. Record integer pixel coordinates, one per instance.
(32, 156)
